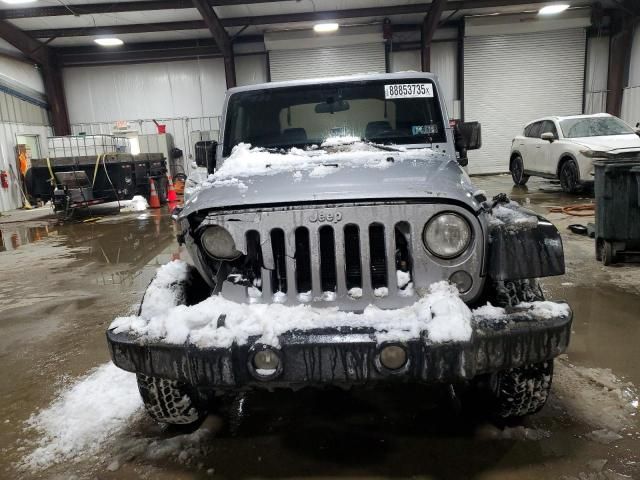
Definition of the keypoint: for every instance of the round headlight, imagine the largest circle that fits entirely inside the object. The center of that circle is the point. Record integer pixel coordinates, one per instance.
(393, 357)
(447, 235)
(219, 243)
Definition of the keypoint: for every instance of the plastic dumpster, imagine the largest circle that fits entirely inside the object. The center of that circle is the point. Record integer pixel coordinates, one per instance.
(617, 191)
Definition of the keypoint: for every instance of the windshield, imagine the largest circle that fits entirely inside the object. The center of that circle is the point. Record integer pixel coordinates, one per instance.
(594, 127)
(398, 111)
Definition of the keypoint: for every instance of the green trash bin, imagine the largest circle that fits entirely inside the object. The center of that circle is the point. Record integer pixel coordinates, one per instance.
(617, 191)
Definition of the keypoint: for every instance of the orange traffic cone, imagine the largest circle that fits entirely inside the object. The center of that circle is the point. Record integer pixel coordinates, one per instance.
(154, 200)
(171, 192)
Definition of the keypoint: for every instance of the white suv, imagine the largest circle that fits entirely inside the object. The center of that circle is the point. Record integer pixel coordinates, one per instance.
(565, 148)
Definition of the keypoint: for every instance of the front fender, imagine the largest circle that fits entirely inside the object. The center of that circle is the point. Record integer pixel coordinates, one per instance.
(523, 245)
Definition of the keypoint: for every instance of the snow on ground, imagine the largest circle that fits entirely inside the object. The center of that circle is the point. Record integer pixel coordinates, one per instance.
(84, 417)
(440, 313)
(136, 204)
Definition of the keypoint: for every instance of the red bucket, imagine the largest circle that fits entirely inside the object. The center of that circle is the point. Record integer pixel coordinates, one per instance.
(162, 128)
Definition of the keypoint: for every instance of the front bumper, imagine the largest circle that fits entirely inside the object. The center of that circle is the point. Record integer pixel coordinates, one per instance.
(346, 356)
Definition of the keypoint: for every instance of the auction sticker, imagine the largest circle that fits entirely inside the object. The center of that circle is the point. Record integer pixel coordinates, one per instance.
(408, 90)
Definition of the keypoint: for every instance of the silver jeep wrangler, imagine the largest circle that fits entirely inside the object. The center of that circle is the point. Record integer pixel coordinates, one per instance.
(348, 195)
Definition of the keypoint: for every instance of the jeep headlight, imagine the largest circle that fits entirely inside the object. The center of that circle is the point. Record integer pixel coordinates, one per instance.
(218, 243)
(447, 235)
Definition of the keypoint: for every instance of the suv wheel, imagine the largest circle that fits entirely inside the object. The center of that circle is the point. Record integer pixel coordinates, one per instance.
(570, 176)
(520, 391)
(517, 171)
(168, 401)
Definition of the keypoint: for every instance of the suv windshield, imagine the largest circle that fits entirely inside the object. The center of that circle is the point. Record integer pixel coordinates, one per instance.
(402, 111)
(594, 127)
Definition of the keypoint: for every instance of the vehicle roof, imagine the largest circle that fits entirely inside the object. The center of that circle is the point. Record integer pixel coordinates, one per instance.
(568, 117)
(325, 80)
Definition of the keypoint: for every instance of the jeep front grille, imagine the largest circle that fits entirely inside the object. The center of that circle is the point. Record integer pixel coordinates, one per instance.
(346, 254)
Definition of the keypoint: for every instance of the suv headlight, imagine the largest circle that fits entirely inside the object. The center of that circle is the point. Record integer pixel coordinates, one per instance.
(595, 154)
(447, 235)
(218, 243)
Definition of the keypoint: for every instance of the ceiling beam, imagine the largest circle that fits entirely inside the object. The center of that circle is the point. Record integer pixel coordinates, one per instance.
(221, 37)
(114, 7)
(42, 54)
(429, 26)
(278, 18)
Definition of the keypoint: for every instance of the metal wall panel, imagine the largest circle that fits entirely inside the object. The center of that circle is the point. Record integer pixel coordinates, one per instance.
(192, 88)
(510, 80)
(326, 61)
(595, 94)
(444, 63)
(631, 96)
(10, 198)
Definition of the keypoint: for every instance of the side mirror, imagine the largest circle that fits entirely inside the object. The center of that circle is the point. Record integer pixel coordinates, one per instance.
(206, 155)
(471, 133)
(548, 136)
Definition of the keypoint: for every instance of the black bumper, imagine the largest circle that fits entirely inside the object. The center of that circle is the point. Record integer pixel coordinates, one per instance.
(349, 356)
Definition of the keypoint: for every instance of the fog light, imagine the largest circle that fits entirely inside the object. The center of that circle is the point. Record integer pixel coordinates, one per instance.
(462, 280)
(393, 357)
(266, 362)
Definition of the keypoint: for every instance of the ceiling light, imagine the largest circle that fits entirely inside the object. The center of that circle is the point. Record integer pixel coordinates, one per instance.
(326, 27)
(108, 42)
(15, 2)
(551, 9)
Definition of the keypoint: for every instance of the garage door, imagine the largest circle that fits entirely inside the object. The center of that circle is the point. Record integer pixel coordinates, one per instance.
(326, 61)
(510, 80)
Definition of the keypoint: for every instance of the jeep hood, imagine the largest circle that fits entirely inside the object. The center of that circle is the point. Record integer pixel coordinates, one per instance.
(422, 174)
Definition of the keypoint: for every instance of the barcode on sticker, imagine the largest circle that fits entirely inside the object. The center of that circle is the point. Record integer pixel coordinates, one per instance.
(408, 90)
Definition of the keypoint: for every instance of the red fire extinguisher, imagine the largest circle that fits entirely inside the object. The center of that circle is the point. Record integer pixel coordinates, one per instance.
(4, 179)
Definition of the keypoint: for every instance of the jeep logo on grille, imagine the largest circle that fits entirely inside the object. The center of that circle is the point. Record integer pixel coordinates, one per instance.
(322, 217)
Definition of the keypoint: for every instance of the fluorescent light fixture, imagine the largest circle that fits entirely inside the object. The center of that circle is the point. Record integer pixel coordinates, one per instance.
(551, 9)
(326, 27)
(16, 2)
(108, 42)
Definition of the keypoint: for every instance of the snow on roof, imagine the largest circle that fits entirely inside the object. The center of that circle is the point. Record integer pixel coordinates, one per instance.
(441, 313)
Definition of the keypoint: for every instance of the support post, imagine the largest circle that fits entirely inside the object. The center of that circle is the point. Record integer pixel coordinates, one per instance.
(54, 88)
(429, 26)
(619, 59)
(221, 38)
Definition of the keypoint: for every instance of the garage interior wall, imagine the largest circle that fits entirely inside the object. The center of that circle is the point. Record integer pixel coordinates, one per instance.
(327, 61)
(597, 72)
(186, 96)
(631, 96)
(512, 79)
(22, 111)
(444, 63)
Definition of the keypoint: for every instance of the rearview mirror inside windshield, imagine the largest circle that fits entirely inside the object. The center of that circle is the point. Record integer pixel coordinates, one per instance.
(332, 106)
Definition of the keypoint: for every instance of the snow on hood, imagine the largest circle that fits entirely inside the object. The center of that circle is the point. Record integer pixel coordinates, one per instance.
(441, 313)
(610, 142)
(333, 172)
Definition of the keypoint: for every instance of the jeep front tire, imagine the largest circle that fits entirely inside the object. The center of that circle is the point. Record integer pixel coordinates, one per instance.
(520, 391)
(168, 401)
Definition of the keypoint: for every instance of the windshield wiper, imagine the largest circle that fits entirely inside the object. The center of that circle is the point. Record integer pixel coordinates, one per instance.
(383, 147)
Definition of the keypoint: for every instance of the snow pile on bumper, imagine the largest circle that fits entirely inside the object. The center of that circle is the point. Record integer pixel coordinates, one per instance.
(217, 322)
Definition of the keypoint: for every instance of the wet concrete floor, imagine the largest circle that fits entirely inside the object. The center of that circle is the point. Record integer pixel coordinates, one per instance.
(62, 284)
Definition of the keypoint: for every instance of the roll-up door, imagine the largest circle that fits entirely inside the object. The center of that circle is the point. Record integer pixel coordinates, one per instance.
(326, 61)
(512, 79)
